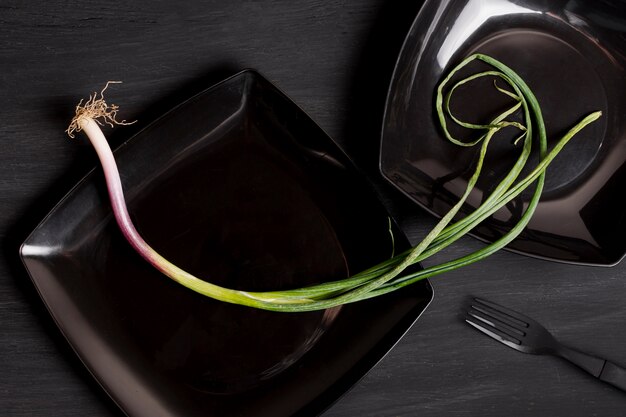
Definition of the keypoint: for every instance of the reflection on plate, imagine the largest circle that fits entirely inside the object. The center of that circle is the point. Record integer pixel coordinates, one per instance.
(573, 55)
(239, 185)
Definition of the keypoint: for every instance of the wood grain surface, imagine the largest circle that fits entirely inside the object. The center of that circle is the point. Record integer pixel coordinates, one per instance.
(335, 59)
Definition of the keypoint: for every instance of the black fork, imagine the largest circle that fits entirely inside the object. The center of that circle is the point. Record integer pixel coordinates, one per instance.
(524, 334)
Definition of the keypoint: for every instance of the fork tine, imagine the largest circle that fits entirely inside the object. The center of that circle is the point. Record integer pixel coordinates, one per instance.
(494, 333)
(492, 314)
(496, 323)
(510, 316)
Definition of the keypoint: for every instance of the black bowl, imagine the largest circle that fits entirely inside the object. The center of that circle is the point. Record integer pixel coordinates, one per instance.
(236, 184)
(573, 56)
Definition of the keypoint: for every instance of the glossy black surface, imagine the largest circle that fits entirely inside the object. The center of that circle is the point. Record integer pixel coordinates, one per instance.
(239, 185)
(573, 56)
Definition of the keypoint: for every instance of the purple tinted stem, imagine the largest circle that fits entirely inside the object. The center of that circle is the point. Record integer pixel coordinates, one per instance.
(116, 193)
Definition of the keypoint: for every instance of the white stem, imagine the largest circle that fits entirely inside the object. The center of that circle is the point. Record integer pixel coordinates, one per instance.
(114, 186)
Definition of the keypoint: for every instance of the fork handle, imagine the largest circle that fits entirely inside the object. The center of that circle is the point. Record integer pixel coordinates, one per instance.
(583, 360)
(602, 369)
(614, 375)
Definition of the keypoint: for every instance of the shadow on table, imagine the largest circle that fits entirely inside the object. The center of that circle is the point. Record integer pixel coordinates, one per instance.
(372, 73)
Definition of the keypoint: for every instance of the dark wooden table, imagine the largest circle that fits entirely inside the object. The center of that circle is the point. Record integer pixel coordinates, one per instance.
(335, 59)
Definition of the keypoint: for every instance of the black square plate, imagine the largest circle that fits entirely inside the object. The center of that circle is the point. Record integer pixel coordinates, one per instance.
(239, 185)
(572, 54)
